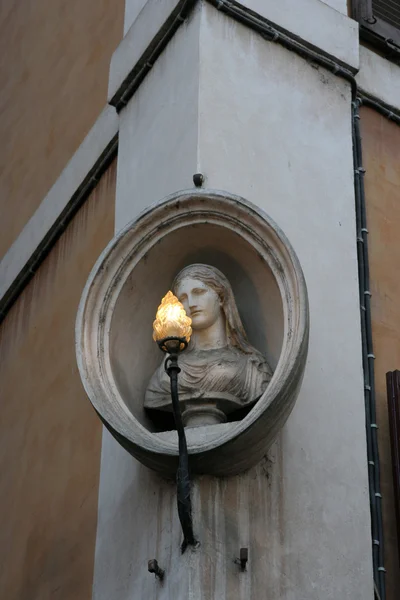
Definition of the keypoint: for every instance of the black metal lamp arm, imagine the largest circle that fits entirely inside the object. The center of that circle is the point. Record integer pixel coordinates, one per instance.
(182, 474)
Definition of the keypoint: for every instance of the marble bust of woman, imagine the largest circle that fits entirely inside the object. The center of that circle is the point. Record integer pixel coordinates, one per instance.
(220, 371)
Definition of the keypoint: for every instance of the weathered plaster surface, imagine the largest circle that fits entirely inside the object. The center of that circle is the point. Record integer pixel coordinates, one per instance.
(276, 129)
(340, 5)
(259, 121)
(50, 438)
(54, 75)
(50, 209)
(314, 22)
(132, 9)
(145, 26)
(379, 77)
(158, 155)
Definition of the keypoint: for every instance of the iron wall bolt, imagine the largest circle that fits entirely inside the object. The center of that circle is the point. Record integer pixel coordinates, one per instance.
(243, 558)
(198, 179)
(153, 567)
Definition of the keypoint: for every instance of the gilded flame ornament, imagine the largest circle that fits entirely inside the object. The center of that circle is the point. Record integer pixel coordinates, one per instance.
(171, 320)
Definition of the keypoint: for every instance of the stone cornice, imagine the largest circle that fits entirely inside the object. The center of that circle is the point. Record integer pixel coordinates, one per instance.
(313, 24)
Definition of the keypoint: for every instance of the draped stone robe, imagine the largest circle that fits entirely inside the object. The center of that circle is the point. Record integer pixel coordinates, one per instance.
(225, 377)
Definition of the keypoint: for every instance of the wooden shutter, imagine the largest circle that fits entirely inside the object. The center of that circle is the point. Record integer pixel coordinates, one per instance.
(380, 24)
(388, 10)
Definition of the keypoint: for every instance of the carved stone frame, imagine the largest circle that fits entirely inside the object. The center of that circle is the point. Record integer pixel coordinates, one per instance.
(246, 441)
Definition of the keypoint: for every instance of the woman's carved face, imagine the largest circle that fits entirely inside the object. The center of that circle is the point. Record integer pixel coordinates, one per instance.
(201, 303)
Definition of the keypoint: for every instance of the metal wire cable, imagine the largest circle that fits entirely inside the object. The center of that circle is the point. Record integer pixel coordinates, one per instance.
(368, 358)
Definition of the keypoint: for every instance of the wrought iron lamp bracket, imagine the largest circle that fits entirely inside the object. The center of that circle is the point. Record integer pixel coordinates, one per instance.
(172, 346)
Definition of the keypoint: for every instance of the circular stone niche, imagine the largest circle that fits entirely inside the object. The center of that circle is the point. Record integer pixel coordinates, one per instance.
(117, 355)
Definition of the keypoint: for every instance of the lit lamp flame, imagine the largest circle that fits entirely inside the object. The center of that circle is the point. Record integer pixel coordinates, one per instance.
(171, 320)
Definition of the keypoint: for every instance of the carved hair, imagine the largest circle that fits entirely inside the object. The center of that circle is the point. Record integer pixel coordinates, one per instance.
(217, 281)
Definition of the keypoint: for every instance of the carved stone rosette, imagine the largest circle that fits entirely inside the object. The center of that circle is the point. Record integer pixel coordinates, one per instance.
(113, 330)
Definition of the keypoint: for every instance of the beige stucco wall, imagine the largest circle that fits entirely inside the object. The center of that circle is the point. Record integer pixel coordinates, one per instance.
(54, 77)
(381, 151)
(49, 435)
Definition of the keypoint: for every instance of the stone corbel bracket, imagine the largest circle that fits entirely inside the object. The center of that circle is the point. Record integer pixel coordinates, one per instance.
(243, 443)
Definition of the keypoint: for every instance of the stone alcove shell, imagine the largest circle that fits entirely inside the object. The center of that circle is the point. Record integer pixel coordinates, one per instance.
(115, 351)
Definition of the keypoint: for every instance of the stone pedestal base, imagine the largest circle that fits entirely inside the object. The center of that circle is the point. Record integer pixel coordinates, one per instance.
(203, 414)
